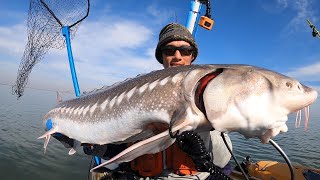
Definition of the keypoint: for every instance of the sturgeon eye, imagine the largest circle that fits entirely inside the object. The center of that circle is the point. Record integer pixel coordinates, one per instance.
(288, 84)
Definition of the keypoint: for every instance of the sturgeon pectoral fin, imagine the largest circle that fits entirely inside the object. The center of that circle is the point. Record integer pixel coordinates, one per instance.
(72, 151)
(148, 146)
(151, 145)
(75, 147)
(270, 133)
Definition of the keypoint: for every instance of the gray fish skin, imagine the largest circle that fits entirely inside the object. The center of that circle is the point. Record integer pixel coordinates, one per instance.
(246, 99)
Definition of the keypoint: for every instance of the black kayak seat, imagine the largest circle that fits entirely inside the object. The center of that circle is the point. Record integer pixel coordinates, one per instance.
(311, 175)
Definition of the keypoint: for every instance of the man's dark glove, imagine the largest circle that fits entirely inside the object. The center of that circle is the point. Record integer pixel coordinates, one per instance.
(65, 140)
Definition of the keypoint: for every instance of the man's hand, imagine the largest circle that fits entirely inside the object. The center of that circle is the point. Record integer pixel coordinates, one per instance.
(65, 140)
(95, 150)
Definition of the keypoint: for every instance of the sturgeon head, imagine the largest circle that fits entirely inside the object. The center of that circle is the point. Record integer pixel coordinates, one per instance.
(254, 101)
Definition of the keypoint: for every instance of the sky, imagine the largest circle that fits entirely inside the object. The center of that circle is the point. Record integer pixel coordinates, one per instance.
(118, 39)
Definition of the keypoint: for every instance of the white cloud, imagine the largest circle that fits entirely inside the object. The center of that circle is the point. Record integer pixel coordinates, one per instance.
(13, 39)
(303, 9)
(274, 6)
(282, 3)
(107, 52)
(98, 39)
(306, 73)
(6, 70)
(104, 52)
(162, 15)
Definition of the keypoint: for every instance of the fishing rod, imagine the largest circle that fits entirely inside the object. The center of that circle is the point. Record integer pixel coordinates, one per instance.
(195, 7)
(315, 32)
(204, 21)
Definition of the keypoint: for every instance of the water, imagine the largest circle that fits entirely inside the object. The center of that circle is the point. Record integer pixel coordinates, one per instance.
(21, 153)
(22, 157)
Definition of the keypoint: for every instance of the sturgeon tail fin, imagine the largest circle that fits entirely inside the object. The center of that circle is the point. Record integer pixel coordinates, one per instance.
(47, 135)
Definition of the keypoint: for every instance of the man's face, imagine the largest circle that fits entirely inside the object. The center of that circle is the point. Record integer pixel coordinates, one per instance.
(177, 53)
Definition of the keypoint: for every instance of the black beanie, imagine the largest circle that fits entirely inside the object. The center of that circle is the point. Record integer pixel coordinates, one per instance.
(174, 32)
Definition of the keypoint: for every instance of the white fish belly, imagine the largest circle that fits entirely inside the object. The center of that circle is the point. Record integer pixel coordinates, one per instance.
(104, 131)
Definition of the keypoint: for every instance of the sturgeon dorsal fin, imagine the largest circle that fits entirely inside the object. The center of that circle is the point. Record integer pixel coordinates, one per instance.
(151, 145)
(59, 97)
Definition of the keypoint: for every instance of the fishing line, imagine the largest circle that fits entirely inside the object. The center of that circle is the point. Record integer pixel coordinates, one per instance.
(39, 89)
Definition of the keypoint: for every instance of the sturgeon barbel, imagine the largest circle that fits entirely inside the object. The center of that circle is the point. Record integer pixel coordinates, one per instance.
(229, 98)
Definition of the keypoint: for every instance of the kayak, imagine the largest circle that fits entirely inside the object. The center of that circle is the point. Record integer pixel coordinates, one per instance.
(277, 170)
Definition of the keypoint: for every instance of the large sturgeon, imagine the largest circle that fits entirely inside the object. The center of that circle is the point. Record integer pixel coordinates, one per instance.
(229, 98)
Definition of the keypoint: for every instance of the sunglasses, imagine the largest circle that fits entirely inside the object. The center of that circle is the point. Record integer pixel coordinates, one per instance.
(171, 50)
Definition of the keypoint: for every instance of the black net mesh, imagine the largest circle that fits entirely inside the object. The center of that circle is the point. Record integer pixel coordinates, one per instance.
(45, 20)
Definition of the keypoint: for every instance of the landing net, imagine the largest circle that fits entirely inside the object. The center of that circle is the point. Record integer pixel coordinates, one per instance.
(45, 20)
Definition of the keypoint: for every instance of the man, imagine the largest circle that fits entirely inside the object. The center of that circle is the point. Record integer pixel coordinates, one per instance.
(177, 47)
